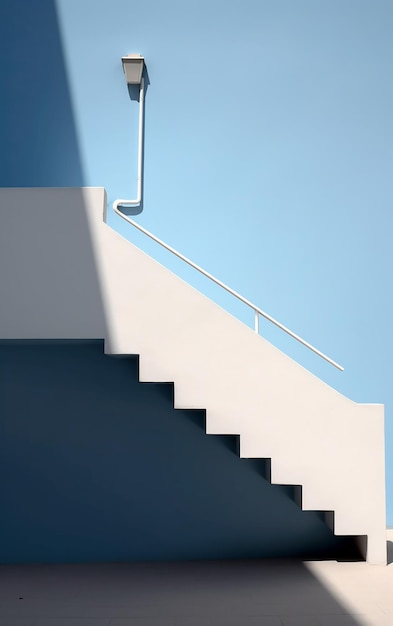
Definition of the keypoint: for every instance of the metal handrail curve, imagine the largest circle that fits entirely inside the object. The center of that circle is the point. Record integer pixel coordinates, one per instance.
(256, 309)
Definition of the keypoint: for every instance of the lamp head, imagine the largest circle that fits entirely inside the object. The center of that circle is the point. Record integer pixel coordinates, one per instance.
(133, 68)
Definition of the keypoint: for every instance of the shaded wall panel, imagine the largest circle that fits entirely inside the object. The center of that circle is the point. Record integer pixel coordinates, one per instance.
(98, 467)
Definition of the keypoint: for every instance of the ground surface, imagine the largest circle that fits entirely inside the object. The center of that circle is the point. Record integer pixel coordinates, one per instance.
(261, 592)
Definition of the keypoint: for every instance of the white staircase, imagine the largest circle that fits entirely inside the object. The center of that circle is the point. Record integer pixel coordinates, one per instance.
(314, 436)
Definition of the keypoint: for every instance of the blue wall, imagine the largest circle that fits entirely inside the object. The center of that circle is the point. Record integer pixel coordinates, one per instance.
(38, 138)
(269, 141)
(98, 467)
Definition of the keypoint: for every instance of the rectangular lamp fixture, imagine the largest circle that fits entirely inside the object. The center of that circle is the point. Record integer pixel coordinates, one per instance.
(133, 68)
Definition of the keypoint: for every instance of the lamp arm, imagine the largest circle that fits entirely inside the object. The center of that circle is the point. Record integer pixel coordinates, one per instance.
(137, 201)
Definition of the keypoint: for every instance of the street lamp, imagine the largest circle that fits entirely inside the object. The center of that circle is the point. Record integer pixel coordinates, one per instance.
(133, 66)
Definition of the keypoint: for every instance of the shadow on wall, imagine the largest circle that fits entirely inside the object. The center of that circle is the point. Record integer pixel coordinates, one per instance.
(96, 466)
(39, 146)
(390, 552)
(50, 287)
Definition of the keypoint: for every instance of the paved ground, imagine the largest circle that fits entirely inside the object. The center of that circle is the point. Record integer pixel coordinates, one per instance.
(225, 593)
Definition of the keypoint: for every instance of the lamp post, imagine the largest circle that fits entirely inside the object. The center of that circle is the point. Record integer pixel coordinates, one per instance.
(133, 66)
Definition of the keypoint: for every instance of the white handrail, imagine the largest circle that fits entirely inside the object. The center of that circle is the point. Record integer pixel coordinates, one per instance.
(256, 309)
(137, 201)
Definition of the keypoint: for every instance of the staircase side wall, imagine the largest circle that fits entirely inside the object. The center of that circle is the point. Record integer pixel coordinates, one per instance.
(49, 285)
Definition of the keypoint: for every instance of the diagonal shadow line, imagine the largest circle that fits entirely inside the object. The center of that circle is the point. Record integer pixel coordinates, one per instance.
(116, 473)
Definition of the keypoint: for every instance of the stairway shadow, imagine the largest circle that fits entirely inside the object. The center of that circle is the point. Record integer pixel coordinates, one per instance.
(97, 466)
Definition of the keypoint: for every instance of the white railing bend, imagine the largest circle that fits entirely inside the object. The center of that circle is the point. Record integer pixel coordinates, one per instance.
(137, 202)
(256, 309)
